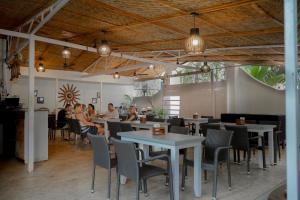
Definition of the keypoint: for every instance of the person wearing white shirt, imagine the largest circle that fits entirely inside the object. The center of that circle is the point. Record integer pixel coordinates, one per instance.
(112, 113)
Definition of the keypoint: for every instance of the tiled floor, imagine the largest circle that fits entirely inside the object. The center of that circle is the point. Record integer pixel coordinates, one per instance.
(67, 176)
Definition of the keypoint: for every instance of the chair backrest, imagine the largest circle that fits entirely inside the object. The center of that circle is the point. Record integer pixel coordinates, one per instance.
(208, 117)
(215, 139)
(76, 126)
(100, 147)
(127, 159)
(114, 128)
(179, 130)
(51, 121)
(240, 139)
(204, 127)
(158, 120)
(176, 121)
(212, 120)
(125, 127)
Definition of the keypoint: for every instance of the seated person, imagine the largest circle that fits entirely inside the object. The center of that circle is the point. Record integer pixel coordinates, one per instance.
(132, 116)
(84, 124)
(91, 113)
(62, 116)
(112, 113)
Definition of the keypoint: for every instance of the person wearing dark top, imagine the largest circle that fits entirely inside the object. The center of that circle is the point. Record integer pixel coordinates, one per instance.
(132, 116)
(62, 116)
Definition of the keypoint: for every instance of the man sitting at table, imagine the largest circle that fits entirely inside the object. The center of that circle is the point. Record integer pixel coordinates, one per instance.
(112, 113)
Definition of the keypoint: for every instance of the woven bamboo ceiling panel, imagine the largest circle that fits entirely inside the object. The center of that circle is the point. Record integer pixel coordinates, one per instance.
(153, 29)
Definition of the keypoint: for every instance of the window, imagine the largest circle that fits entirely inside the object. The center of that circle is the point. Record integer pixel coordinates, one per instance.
(172, 105)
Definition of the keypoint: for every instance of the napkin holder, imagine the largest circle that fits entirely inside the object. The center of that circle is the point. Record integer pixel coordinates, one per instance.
(158, 131)
(143, 120)
(240, 121)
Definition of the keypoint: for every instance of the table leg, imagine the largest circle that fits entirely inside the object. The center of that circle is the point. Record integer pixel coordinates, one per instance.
(106, 131)
(271, 147)
(145, 148)
(197, 128)
(175, 171)
(260, 155)
(123, 179)
(197, 170)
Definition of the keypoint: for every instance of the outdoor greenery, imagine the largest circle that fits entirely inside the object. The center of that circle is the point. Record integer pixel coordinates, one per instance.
(272, 76)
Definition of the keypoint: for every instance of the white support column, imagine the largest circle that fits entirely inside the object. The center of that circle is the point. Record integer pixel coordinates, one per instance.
(291, 98)
(30, 164)
(101, 97)
(213, 94)
(56, 96)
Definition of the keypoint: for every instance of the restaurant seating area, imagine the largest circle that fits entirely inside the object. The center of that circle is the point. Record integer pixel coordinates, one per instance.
(149, 99)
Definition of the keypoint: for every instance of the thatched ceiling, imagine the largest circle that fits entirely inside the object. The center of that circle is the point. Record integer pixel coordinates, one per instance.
(140, 27)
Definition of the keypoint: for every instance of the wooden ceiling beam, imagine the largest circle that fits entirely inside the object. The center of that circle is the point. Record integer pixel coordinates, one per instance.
(142, 19)
(263, 12)
(209, 9)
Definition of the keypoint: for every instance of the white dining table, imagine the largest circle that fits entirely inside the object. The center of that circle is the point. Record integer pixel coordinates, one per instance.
(197, 122)
(147, 125)
(260, 129)
(173, 142)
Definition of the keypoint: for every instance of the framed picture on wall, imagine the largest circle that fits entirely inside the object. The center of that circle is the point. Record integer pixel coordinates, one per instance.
(35, 93)
(94, 100)
(98, 95)
(40, 100)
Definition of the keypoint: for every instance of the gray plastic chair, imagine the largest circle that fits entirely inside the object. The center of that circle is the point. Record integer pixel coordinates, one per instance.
(216, 150)
(204, 127)
(242, 141)
(114, 128)
(102, 158)
(132, 167)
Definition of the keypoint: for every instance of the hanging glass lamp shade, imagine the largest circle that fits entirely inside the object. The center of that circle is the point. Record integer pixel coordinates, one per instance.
(66, 53)
(205, 68)
(116, 75)
(41, 68)
(104, 49)
(195, 44)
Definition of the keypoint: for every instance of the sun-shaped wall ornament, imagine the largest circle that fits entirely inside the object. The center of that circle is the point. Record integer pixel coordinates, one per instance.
(68, 94)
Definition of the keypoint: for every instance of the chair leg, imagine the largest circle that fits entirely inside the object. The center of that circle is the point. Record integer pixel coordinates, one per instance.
(167, 177)
(93, 179)
(248, 160)
(171, 183)
(239, 157)
(109, 184)
(145, 187)
(244, 158)
(275, 148)
(229, 171)
(215, 182)
(183, 176)
(264, 156)
(138, 190)
(234, 155)
(205, 175)
(118, 186)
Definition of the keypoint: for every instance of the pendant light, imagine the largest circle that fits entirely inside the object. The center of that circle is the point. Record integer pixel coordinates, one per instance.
(195, 44)
(66, 53)
(41, 67)
(151, 66)
(205, 68)
(116, 75)
(104, 49)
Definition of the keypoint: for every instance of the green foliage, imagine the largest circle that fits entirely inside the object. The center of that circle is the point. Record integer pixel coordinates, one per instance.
(272, 76)
(160, 113)
(128, 99)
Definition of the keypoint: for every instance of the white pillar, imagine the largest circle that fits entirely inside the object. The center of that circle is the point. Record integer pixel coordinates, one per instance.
(30, 164)
(213, 94)
(101, 97)
(291, 98)
(56, 96)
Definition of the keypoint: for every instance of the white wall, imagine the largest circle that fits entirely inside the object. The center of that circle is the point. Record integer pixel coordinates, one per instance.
(112, 91)
(246, 95)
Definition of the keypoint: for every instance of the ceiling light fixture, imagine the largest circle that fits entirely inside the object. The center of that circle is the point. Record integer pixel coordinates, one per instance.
(205, 68)
(116, 75)
(66, 53)
(41, 67)
(104, 49)
(151, 66)
(195, 44)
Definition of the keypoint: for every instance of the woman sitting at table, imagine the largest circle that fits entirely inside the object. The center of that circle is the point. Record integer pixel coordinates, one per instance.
(132, 116)
(85, 125)
(91, 113)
